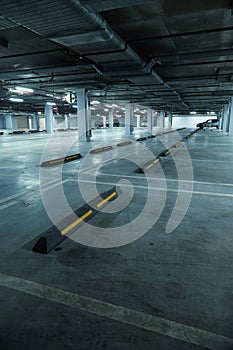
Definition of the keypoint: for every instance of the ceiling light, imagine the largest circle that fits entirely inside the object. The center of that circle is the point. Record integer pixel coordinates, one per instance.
(193, 112)
(95, 102)
(13, 99)
(24, 89)
(105, 109)
(50, 103)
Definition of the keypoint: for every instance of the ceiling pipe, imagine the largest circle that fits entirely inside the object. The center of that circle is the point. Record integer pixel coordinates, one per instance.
(175, 35)
(92, 23)
(193, 55)
(97, 20)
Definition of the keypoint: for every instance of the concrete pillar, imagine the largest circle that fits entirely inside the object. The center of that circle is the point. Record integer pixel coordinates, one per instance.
(138, 120)
(155, 120)
(231, 118)
(149, 119)
(128, 119)
(110, 119)
(65, 121)
(68, 121)
(29, 122)
(104, 121)
(83, 122)
(219, 115)
(226, 118)
(169, 120)
(9, 121)
(35, 121)
(14, 122)
(161, 119)
(49, 117)
(88, 104)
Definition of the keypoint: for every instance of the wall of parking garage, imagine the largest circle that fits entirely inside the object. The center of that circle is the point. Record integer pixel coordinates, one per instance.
(190, 121)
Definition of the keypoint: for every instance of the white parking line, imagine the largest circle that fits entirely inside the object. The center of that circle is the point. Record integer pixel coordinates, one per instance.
(8, 202)
(173, 180)
(155, 324)
(157, 188)
(204, 160)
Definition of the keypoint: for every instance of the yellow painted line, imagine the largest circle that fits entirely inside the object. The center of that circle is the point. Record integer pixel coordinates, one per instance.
(149, 166)
(106, 199)
(124, 143)
(97, 150)
(156, 161)
(71, 157)
(76, 222)
(56, 161)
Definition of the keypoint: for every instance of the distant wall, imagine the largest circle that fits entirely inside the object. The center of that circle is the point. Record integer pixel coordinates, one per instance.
(189, 121)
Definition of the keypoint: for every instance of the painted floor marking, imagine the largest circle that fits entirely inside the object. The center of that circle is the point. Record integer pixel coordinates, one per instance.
(155, 324)
(158, 188)
(174, 180)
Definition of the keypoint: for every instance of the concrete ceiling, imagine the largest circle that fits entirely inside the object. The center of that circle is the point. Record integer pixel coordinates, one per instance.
(171, 55)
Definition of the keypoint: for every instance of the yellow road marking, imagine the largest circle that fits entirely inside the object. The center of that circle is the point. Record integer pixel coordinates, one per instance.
(56, 161)
(76, 222)
(149, 166)
(106, 199)
(71, 157)
(97, 150)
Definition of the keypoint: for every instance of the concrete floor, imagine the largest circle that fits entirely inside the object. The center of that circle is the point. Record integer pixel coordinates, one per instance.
(164, 291)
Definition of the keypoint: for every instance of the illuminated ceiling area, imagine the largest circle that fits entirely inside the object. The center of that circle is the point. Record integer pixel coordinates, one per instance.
(170, 55)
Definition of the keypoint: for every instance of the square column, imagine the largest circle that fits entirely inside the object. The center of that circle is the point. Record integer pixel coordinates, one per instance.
(128, 119)
(9, 121)
(65, 121)
(29, 122)
(170, 120)
(49, 117)
(161, 120)
(35, 121)
(83, 117)
(226, 118)
(155, 120)
(149, 119)
(110, 119)
(104, 121)
(231, 118)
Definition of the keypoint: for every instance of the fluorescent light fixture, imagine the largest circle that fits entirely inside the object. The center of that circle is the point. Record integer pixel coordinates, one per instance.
(74, 106)
(24, 89)
(13, 99)
(105, 109)
(193, 112)
(95, 102)
(50, 103)
(212, 112)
